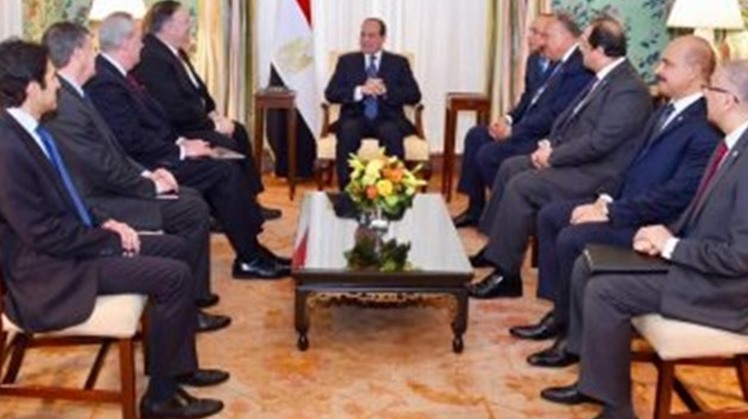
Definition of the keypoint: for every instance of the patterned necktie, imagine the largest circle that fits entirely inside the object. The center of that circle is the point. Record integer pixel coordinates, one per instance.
(544, 87)
(662, 120)
(371, 106)
(54, 157)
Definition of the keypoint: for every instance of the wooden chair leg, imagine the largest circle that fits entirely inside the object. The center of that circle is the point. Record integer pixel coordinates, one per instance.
(17, 350)
(127, 375)
(664, 394)
(144, 330)
(3, 340)
(93, 375)
(741, 366)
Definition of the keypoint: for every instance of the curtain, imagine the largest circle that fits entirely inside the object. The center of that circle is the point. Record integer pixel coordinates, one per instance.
(11, 18)
(507, 49)
(447, 38)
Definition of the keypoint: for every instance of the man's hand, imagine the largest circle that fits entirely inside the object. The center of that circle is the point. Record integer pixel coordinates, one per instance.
(541, 157)
(165, 181)
(373, 87)
(499, 130)
(651, 239)
(128, 237)
(223, 125)
(194, 149)
(590, 213)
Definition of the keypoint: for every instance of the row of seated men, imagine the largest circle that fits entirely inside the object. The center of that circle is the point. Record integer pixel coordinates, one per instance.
(95, 149)
(584, 159)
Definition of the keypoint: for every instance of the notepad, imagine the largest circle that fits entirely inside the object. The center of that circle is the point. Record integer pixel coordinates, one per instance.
(611, 259)
(223, 153)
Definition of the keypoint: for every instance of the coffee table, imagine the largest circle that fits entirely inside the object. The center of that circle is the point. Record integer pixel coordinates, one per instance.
(439, 260)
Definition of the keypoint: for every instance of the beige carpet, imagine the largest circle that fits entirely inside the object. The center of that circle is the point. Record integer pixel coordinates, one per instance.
(362, 363)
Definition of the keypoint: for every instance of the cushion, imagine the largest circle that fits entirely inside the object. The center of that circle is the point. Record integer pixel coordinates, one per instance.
(674, 339)
(416, 149)
(116, 316)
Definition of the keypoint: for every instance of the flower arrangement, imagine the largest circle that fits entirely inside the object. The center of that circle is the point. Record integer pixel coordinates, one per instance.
(382, 182)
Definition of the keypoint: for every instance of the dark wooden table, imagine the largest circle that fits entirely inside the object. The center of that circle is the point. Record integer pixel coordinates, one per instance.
(441, 266)
(456, 102)
(284, 99)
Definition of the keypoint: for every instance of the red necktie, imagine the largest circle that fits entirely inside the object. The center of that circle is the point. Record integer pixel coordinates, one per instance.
(135, 84)
(717, 157)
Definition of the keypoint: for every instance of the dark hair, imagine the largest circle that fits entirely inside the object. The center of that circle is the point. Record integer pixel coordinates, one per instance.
(21, 62)
(159, 14)
(61, 39)
(382, 25)
(568, 22)
(608, 34)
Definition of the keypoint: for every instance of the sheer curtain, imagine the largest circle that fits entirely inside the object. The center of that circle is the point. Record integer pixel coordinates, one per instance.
(11, 18)
(447, 37)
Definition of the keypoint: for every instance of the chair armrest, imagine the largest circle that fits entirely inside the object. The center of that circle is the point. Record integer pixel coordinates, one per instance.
(419, 120)
(325, 119)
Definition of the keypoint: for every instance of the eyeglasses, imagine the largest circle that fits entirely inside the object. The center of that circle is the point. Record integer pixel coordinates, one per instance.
(706, 87)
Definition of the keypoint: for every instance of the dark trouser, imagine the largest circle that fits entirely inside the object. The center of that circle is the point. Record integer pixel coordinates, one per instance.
(224, 187)
(350, 132)
(166, 279)
(189, 218)
(481, 159)
(560, 243)
(607, 303)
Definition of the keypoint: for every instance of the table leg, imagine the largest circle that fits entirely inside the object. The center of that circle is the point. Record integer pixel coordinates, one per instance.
(259, 135)
(292, 152)
(301, 319)
(459, 324)
(448, 153)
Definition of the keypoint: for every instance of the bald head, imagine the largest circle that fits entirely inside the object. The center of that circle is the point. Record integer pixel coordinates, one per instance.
(699, 54)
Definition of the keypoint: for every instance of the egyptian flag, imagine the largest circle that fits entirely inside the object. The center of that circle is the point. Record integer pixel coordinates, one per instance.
(292, 66)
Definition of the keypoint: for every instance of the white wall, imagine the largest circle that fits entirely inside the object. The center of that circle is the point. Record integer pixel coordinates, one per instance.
(11, 18)
(448, 38)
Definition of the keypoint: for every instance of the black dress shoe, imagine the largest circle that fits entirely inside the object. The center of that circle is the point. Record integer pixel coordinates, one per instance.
(568, 395)
(260, 268)
(180, 405)
(215, 226)
(479, 260)
(270, 213)
(211, 322)
(465, 219)
(554, 357)
(209, 301)
(496, 285)
(272, 256)
(203, 378)
(547, 328)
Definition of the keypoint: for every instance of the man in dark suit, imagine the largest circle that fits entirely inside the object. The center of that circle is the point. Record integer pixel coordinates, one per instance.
(707, 280)
(546, 95)
(143, 130)
(58, 255)
(167, 73)
(372, 86)
(112, 182)
(589, 148)
(657, 187)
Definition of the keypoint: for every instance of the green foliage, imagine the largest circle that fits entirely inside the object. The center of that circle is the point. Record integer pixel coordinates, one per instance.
(387, 257)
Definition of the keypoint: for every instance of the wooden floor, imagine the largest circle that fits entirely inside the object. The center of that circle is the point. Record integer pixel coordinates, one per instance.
(362, 363)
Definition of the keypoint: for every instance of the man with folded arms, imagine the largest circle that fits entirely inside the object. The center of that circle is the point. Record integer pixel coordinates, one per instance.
(59, 255)
(547, 93)
(589, 147)
(707, 279)
(111, 181)
(657, 187)
(144, 132)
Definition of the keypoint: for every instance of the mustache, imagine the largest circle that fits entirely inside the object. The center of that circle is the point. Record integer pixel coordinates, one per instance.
(660, 78)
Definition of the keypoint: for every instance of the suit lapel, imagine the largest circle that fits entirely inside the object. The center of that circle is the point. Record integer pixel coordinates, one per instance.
(695, 110)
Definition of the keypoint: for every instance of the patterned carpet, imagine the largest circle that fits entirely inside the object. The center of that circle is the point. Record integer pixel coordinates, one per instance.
(362, 363)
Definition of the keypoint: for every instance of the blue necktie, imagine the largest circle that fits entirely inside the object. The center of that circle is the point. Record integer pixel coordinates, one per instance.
(371, 107)
(59, 165)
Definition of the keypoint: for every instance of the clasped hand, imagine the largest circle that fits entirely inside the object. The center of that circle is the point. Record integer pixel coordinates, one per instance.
(374, 87)
(542, 155)
(652, 239)
(129, 238)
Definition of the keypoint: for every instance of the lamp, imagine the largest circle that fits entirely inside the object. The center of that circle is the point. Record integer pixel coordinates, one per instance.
(100, 9)
(705, 16)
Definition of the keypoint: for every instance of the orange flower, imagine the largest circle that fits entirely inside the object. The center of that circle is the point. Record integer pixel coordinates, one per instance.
(371, 192)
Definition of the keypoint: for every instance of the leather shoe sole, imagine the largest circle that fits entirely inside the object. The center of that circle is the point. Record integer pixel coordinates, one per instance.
(203, 378)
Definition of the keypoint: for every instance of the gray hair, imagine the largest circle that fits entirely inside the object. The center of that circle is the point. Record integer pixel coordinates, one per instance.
(62, 39)
(115, 30)
(736, 72)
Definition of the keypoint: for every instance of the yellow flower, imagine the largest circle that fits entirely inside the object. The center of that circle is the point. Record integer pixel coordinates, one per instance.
(384, 187)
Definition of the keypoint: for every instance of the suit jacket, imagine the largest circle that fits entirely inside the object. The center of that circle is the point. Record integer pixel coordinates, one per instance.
(564, 83)
(44, 244)
(165, 76)
(139, 123)
(108, 178)
(394, 70)
(593, 147)
(707, 282)
(535, 76)
(664, 175)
